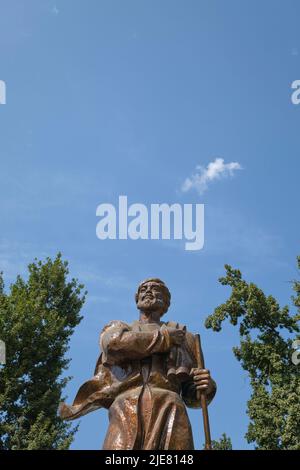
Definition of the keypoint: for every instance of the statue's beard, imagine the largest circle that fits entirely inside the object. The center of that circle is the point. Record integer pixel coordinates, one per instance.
(148, 305)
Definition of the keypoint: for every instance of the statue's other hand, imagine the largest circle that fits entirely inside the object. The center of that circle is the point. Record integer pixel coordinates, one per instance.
(202, 380)
(176, 336)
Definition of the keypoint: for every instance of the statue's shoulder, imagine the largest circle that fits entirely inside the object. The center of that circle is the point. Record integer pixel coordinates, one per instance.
(115, 325)
(174, 324)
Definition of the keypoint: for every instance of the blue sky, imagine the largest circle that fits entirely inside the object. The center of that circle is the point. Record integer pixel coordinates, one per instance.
(106, 98)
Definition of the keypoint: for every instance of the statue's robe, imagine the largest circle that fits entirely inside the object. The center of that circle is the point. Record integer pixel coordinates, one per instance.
(145, 383)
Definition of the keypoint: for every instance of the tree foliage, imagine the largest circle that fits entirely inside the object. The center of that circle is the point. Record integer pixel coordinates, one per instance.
(224, 443)
(37, 318)
(266, 333)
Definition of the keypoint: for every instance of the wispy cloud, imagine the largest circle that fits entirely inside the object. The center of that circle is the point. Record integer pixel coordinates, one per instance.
(55, 10)
(112, 281)
(204, 176)
(15, 257)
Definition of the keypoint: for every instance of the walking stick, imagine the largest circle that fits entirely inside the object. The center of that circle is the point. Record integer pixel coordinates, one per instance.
(201, 396)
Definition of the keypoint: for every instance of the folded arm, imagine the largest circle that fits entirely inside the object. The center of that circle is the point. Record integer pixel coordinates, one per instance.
(118, 342)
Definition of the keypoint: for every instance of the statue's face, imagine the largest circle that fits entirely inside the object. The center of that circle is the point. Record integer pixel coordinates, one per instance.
(150, 297)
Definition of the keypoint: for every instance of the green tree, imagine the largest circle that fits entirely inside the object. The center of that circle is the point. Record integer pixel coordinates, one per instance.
(224, 443)
(265, 352)
(37, 318)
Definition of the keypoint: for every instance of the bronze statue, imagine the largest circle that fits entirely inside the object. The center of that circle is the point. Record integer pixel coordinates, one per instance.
(146, 374)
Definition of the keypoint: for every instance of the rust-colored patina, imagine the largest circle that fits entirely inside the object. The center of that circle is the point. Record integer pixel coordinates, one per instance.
(146, 375)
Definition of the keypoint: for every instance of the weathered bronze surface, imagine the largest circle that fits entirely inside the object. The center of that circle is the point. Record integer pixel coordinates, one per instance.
(145, 376)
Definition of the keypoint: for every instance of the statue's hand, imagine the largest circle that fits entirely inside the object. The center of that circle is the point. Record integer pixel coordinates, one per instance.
(176, 336)
(202, 380)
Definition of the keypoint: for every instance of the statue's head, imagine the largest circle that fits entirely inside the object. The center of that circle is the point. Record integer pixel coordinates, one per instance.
(153, 295)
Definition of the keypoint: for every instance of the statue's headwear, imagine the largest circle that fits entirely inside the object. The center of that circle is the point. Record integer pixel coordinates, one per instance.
(165, 290)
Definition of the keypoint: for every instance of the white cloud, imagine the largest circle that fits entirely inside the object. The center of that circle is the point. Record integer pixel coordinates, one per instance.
(215, 170)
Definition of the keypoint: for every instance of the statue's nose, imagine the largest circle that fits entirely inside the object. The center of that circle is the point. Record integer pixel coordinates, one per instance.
(148, 291)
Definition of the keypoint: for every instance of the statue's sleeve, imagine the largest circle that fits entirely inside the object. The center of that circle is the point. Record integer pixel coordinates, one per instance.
(119, 342)
(189, 394)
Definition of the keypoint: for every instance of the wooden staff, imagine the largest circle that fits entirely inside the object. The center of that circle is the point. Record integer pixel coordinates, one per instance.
(201, 395)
